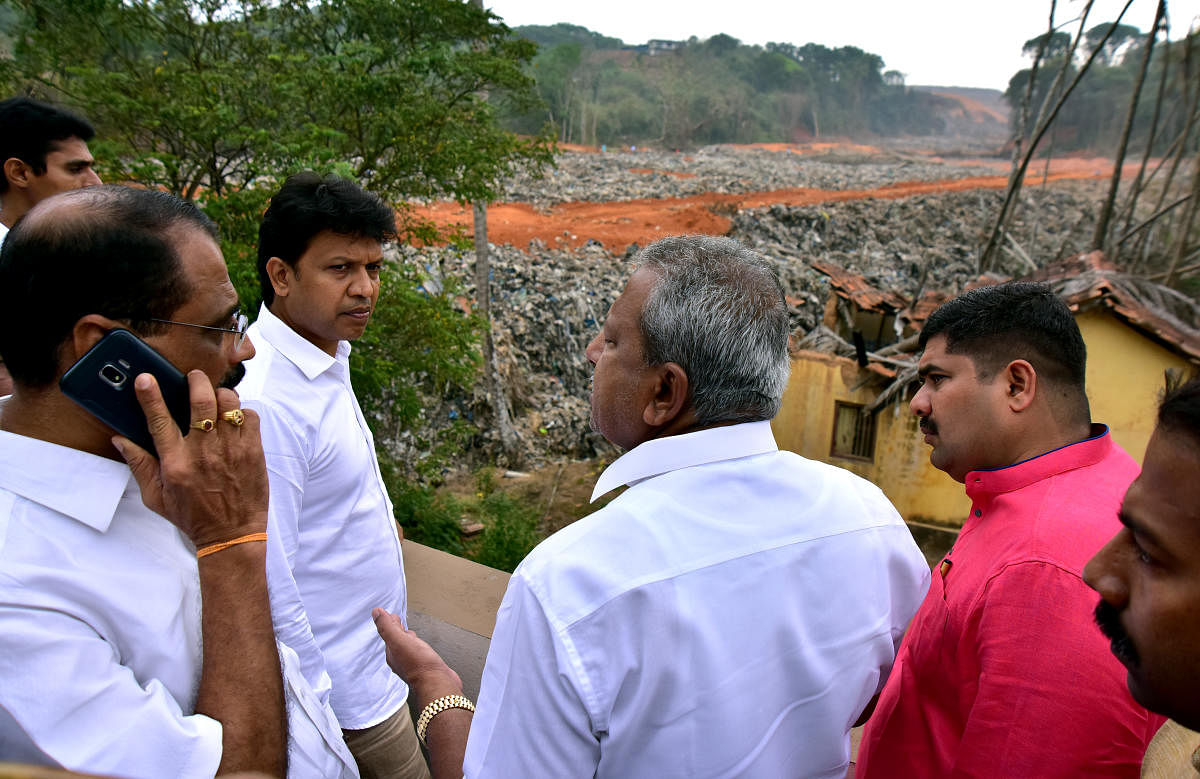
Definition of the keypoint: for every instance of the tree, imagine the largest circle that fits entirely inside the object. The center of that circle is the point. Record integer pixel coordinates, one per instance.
(1117, 38)
(1053, 45)
(211, 95)
(1051, 106)
(1100, 240)
(218, 100)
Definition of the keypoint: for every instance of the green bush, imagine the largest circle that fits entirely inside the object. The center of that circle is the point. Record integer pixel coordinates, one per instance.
(510, 532)
(510, 529)
(427, 517)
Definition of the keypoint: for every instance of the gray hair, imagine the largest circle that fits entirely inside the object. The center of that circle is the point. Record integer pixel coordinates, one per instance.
(718, 312)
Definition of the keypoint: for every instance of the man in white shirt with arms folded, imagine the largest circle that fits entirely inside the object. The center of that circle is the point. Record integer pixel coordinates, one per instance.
(135, 629)
(734, 611)
(319, 256)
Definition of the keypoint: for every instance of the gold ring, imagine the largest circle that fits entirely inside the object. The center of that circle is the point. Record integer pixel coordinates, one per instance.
(207, 425)
(234, 417)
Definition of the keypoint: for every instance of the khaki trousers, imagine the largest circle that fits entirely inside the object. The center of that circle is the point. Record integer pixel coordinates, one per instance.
(389, 750)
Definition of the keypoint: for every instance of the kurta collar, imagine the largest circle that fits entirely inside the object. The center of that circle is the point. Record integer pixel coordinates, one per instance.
(311, 360)
(83, 486)
(992, 481)
(662, 455)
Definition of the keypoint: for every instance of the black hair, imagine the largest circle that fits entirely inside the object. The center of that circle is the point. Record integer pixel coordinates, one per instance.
(1179, 411)
(30, 130)
(309, 204)
(112, 254)
(1018, 320)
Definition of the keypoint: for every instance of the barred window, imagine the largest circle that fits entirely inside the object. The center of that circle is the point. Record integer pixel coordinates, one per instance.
(853, 432)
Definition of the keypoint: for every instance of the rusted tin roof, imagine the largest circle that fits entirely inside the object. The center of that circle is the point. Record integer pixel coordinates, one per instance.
(1161, 313)
(859, 291)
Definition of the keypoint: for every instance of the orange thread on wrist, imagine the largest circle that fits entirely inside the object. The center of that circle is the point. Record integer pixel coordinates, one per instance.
(214, 548)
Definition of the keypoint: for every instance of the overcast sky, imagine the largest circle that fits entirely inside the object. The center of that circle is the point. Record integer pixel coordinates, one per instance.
(969, 43)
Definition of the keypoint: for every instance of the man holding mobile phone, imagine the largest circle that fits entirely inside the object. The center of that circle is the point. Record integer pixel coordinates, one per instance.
(136, 636)
(43, 151)
(320, 254)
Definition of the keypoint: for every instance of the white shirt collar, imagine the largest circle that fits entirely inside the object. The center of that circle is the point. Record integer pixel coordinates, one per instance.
(83, 486)
(663, 455)
(301, 352)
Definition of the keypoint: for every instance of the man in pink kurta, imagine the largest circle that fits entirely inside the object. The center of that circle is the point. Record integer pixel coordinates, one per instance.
(1002, 672)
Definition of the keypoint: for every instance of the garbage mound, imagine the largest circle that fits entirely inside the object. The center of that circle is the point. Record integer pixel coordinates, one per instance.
(548, 303)
(626, 175)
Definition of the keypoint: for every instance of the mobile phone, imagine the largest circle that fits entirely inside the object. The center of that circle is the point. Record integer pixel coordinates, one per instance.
(102, 382)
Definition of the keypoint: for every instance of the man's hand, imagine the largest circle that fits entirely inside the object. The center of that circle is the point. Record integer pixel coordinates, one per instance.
(429, 678)
(415, 661)
(211, 484)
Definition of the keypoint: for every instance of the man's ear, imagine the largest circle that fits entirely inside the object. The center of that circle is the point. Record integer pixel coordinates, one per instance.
(670, 396)
(281, 275)
(87, 331)
(17, 172)
(1020, 380)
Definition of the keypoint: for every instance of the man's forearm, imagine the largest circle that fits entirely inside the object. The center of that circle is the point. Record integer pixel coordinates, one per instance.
(241, 684)
(446, 737)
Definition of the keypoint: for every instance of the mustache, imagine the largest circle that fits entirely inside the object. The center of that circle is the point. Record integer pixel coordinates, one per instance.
(1108, 619)
(928, 426)
(235, 375)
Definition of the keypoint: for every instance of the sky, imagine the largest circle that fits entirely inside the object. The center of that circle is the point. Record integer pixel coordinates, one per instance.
(967, 43)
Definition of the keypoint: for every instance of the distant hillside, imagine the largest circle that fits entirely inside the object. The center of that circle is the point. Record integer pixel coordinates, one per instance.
(550, 35)
(978, 115)
(979, 103)
(685, 94)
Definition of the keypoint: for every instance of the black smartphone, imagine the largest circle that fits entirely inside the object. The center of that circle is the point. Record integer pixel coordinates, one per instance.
(102, 382)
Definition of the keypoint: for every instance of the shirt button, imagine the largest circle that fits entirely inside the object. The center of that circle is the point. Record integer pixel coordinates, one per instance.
(978, 513)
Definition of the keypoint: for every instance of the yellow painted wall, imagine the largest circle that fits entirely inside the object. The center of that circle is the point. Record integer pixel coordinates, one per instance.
(1124, 377)
(901, 466)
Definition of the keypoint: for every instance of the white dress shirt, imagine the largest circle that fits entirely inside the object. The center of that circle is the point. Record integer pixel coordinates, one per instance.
(731, 614)
(3, 233)
(332, 514)
(100, 638)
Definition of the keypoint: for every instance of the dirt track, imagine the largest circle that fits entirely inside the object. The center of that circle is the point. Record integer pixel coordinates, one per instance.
(617, 224)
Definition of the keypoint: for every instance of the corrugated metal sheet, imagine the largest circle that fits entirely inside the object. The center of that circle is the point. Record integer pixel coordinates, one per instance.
(858, 290)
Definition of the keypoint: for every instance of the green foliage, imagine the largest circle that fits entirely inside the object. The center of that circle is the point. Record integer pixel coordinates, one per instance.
(713, 91)
(417, 346)
(434, 517)
(549, 36)
(510, 528)
(214, 95)
(427, 517)
(238, 212)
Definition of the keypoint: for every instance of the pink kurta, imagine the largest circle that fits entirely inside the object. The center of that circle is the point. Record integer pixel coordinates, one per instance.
(1003, 672)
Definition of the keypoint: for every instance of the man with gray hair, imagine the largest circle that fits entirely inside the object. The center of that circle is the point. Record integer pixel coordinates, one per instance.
(733, 612)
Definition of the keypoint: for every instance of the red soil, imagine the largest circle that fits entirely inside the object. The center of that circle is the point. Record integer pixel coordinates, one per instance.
(618, 224)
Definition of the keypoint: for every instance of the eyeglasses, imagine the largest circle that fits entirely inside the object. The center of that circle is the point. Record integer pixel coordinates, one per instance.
(240, 323)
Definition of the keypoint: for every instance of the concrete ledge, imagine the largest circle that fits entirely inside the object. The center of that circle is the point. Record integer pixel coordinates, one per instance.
(452, 604)
(451, 589)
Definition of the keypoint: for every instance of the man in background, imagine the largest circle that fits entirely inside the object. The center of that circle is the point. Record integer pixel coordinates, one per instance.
(1002, 672)
(320, 254)
(44, 151)
(1148, 577)
(733, 612)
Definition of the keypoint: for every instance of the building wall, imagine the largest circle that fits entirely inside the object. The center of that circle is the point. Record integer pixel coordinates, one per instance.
(901, 466)
(1124, 378)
